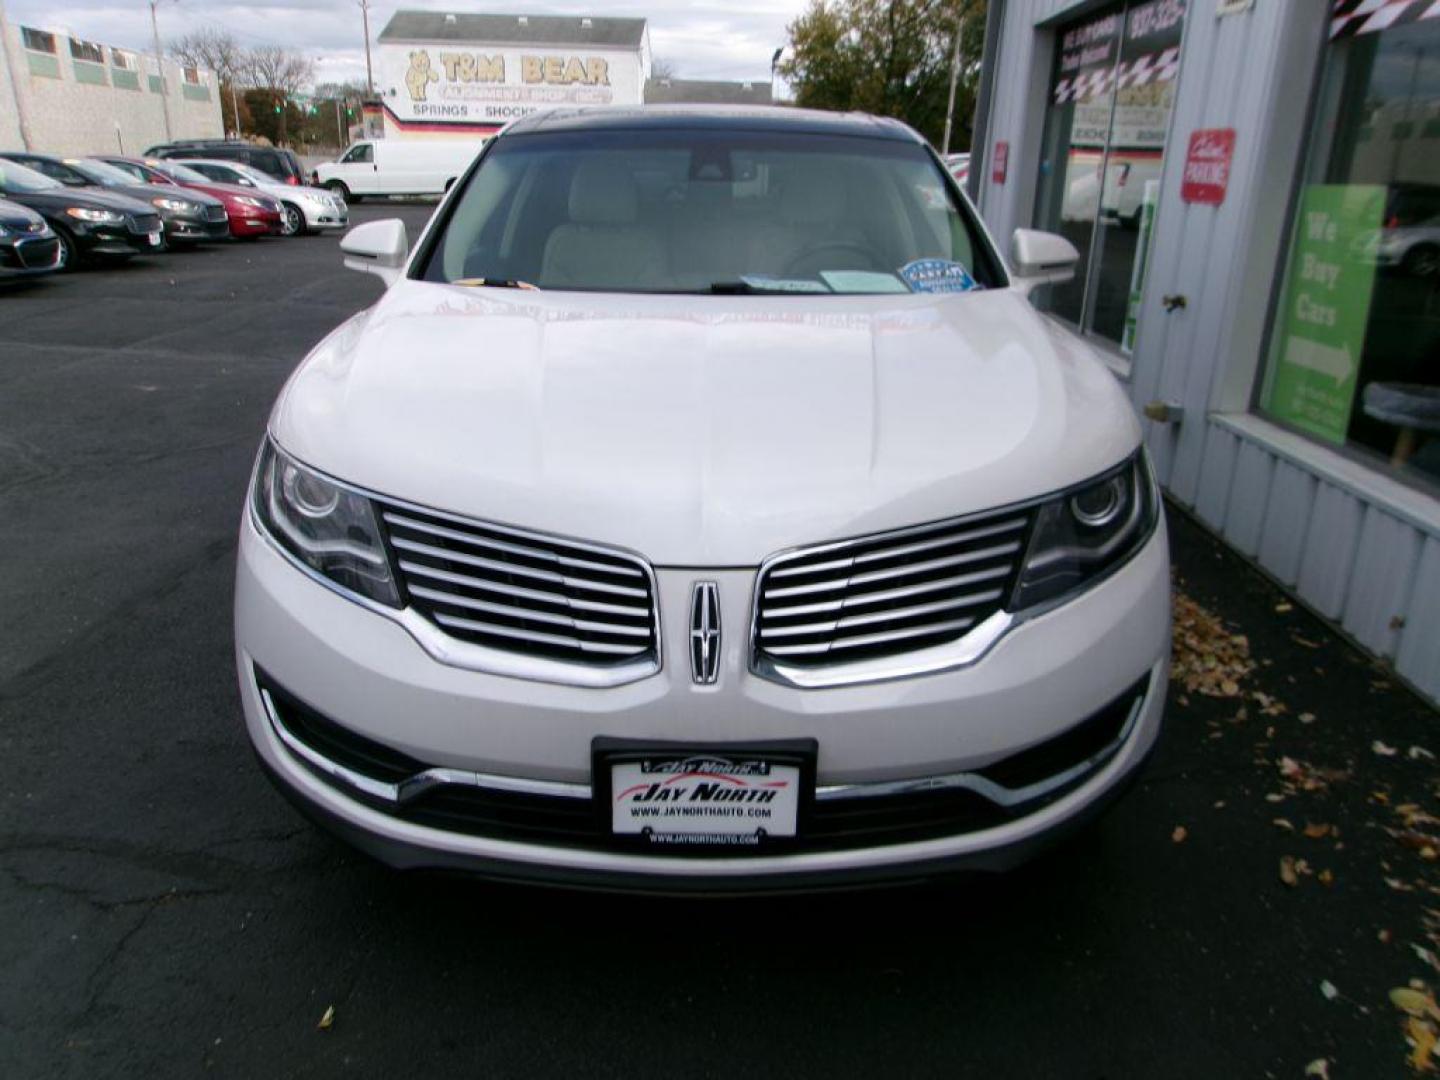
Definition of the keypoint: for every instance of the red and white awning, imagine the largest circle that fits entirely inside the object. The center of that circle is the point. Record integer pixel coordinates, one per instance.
(1351, 17)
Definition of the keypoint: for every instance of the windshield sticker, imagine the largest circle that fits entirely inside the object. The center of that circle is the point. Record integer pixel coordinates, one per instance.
(774, 284)
(938, 276)
(862, 281)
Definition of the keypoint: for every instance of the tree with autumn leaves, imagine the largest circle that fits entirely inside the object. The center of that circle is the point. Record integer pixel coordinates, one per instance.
(889, 57)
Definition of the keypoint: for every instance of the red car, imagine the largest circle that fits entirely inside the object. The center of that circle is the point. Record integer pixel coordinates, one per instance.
(251, 213)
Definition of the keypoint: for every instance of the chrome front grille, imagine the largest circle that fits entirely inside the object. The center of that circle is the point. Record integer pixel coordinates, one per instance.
(214, 213)
(144, 223)
(523, 592)
(887, 594)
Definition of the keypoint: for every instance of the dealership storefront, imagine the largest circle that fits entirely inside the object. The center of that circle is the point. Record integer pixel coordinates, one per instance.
(1254, 190)
(462, 75)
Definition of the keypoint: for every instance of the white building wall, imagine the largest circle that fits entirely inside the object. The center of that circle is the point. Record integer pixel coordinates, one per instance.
(1355, 545)
(66, 115)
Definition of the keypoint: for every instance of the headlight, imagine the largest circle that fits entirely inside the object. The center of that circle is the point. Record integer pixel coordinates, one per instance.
(93, 215)
(248, 200)
(1082, 534)
(326, 527)
(180, 206)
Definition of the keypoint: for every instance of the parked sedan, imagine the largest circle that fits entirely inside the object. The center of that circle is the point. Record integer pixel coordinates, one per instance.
(28, 246)
(92, 224)
(250, 213)
(188, 218)
(306, 209)
(650, 532)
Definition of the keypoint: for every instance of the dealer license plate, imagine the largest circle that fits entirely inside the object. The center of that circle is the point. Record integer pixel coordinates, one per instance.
(705, 797)
(154, 239)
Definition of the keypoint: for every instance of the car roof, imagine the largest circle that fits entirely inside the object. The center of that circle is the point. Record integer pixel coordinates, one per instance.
(713, 117)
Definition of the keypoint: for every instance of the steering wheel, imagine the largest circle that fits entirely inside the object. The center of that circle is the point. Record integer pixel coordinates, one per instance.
(839, 246)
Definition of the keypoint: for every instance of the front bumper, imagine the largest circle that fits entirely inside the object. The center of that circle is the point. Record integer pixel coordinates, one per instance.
(29, 255)
(317, 217)
(254, 223)
(117, 240)
(194, 230)
(366, 674)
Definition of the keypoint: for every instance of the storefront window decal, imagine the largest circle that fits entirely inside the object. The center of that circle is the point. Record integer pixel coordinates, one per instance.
(1354, 353)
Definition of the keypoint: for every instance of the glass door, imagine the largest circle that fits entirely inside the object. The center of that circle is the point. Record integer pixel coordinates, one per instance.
(1112, 91)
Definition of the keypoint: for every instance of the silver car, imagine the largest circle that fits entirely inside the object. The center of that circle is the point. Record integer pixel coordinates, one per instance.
(303, 209)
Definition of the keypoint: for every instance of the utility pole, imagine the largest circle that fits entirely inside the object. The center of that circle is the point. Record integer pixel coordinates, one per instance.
(14, 81)
(235, 106)
(160, 67)
(369, 76)
(954, 78)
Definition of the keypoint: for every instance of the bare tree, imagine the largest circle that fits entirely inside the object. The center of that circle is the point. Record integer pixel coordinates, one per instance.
(280, 71)
(662, 67)
(213, 49)
(222, 54)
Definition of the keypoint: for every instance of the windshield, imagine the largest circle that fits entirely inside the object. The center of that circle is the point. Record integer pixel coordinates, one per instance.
(253, 173)
(19, 178)
(706, 211)
(97, 172)
(181, 173)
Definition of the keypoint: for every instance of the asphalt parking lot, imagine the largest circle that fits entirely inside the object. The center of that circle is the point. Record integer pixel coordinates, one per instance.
(165, 912)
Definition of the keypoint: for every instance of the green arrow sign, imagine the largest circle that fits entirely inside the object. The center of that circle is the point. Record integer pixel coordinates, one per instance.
(1321, 329)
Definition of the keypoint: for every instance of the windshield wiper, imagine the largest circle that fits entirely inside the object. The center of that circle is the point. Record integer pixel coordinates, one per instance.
(494, 283)
(768, 288)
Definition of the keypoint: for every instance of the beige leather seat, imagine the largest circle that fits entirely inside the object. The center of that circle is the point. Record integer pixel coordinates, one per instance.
(602, 245)
(816, 211)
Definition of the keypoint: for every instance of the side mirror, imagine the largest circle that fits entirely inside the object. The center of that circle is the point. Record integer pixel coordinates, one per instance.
(377, 247)
(1041, 258)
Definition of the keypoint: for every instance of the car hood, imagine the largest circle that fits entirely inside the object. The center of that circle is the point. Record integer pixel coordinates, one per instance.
(146, 192)
(226, 192)
(88, 198)
(704, 430)
(17, 217)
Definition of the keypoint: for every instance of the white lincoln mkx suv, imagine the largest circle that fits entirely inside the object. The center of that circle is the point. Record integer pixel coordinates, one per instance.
(702, 506)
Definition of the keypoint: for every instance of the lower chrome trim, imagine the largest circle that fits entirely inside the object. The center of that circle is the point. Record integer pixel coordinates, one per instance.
(986, 788)
(413, 786)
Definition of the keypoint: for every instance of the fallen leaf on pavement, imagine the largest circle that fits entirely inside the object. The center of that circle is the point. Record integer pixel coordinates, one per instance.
(1319, 1067)
(1283, 823)
(328, 1020)
(1328, 989)
(1382, 749)
(1316, 832)
(1326, 877)
(1178, 836)
(1421, 1036)
(1415, 1002)
(1207, 658)
(1287, 871)
(1415, 753)
(1307, 718)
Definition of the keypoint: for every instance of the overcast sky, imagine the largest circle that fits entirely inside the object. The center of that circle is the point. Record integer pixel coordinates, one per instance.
(702, 39)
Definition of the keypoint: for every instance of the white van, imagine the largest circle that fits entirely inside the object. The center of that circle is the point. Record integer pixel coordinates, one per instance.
(397, 167)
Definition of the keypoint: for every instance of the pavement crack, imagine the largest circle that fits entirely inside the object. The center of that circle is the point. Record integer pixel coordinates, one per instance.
(26, 681)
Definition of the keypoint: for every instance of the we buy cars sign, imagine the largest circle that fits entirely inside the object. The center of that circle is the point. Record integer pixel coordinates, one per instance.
(1207, 166)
